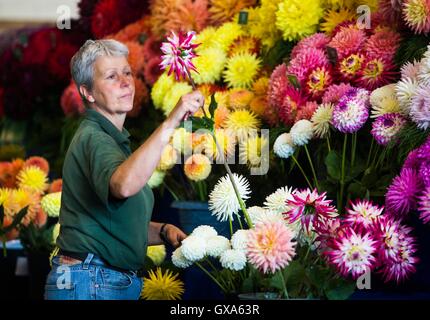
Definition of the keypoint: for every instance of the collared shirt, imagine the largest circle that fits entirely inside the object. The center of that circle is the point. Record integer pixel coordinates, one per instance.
(91, 219)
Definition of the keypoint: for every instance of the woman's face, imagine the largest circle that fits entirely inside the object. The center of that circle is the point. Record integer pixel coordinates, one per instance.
(113, 84)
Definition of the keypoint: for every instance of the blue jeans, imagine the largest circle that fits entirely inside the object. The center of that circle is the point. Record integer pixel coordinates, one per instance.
(90, 280)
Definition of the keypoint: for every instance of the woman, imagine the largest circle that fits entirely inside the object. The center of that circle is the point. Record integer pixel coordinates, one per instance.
(106, 204)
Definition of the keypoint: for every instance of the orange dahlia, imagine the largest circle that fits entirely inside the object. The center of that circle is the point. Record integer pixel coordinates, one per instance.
(39, 162)
(223, 11)
(197, 167)
(56, 186)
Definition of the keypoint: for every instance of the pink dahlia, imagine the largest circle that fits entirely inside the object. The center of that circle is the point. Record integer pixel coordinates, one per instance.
(291, 102)
(416, 14)
(353, 253)
(383, 44)
(363, 214)
(178, 52)
(309, 60)
(376, 72)
(402, 265)
(424, 205)
(425, 173)
(278, 84)
(310, 207)
(327, 230)
(388, 231)
(306, 111)
(270, 246)
(315, 41)
(336, 91)
(410, 69)
(402, 194)
(352, 111)
(386, 127)
(318, 81)
(348, 41)
(412, 161)
(420, 107)
(71, 101)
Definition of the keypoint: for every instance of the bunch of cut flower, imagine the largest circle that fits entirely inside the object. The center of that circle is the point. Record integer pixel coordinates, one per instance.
(298, 246)
(27, 199)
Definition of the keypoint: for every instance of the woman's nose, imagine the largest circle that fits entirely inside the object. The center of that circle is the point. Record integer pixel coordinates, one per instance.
(125, 81)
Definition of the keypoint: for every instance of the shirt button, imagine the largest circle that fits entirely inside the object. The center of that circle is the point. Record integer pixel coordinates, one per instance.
(96, 286)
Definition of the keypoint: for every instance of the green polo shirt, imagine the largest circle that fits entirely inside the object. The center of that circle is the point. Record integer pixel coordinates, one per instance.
(91, 219)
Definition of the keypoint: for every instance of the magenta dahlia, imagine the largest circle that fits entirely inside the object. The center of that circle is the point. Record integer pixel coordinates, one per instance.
(376, 72)
(336, 91)
(386, 127)
(293, 99)
(424, 205)
(315, 41)
(363, 214)
(309, 60)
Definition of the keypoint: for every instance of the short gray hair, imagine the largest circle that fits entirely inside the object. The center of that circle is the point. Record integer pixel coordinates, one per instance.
(82, 63)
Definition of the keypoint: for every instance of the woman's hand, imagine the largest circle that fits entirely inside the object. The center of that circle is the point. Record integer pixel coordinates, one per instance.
(174, 235)
(187, 105)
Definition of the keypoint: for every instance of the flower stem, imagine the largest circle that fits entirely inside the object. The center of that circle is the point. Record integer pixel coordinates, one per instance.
(342, 178)
(284, 285)
(303, 172)
(193, 84)
(231, 225)
(175, 196)
(354, 146)
(240, 222)
(328, 143)
(211, 276)
(312, 166)
(370, 153)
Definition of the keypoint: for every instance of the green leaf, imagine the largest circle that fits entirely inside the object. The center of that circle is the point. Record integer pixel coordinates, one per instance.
(276, 281)
(357, 190)
(294, 81)
(334, 164)
(17, 219)
(212, 106)
(200, 123)
(281, 50)
(355, 171)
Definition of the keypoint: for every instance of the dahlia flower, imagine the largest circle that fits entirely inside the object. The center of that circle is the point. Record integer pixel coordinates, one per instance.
(350, 114)
(284, 146)
(386, 127)
(216, 245)
(239, 240)
(241, 70)
(51, 204)
(193, 248)
(321, 120)
(405, 90)
(33, 178)
(226, 34)
(317, 81)
(363, 213)
(383, 44)
(270, 246)
(171, 97)
(333, 18)
(178, 53)
(306, 62)
(348, 41)
(259, 215)
(291, 102)
(302, 132)
(168, 159)
(410, 69)
(297, 19)
(277, 201)
(246, 44)
(197, 167)
(403, 193)
(241, 123)
(424, 205)
(210, 63)
(335, 92)
(182, 140)
(253, 150)
(376, 73)
(239, 98)
(350, 66)
(222, 11)
(56, 186)
(260, 22)
(157, 253)
(310, 207)
(420, 107)
(278, 84)
(353, 253)
(317, 41)
(204, 232)
(161, 285)
(161, 87)
(416, 14)
(378, 95)
(233, 259)
(223, 201)
(206, 38)
(187, 15)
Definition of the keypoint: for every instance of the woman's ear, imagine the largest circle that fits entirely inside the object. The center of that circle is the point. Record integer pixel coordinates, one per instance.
(86, 93)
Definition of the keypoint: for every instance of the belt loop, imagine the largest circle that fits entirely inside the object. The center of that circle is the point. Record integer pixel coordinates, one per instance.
(87, 261)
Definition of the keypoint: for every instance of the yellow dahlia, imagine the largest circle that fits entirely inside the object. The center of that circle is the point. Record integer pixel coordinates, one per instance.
(226, 142)
(182, 140)
(223, 11)
(206, 39)
(260, 86)
(321, 120)
(51, 204)
(242, 122)
(18, 199)
(197, 167)
(156, 179)
(239, 98)
(260, 22)
(251, 150)
(298, 18)
(241, 70)
(162, 286)
(169, 157)
(388, 104)
(157, 254)
(353, 5)
(173, 95)
(247, 44)
(209, 63)
(4, 194)
(160, 89)
(33, 178)
(334, 17)
(226, 34)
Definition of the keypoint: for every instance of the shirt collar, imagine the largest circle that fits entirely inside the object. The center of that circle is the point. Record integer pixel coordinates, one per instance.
(108, 126)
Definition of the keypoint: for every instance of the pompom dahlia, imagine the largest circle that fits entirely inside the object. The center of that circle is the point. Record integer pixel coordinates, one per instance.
(239, 240)
(284, 146)
(270, 246)
(298, 18)
(197, 167)
(51, 204)
(216, 245)
(223, 201)
(310, 207)
(350, 114)
(179, 260)
(403, 193)
(386, 127)
(353, 253)
(233, 259)
(193, 248)
(302, 132)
